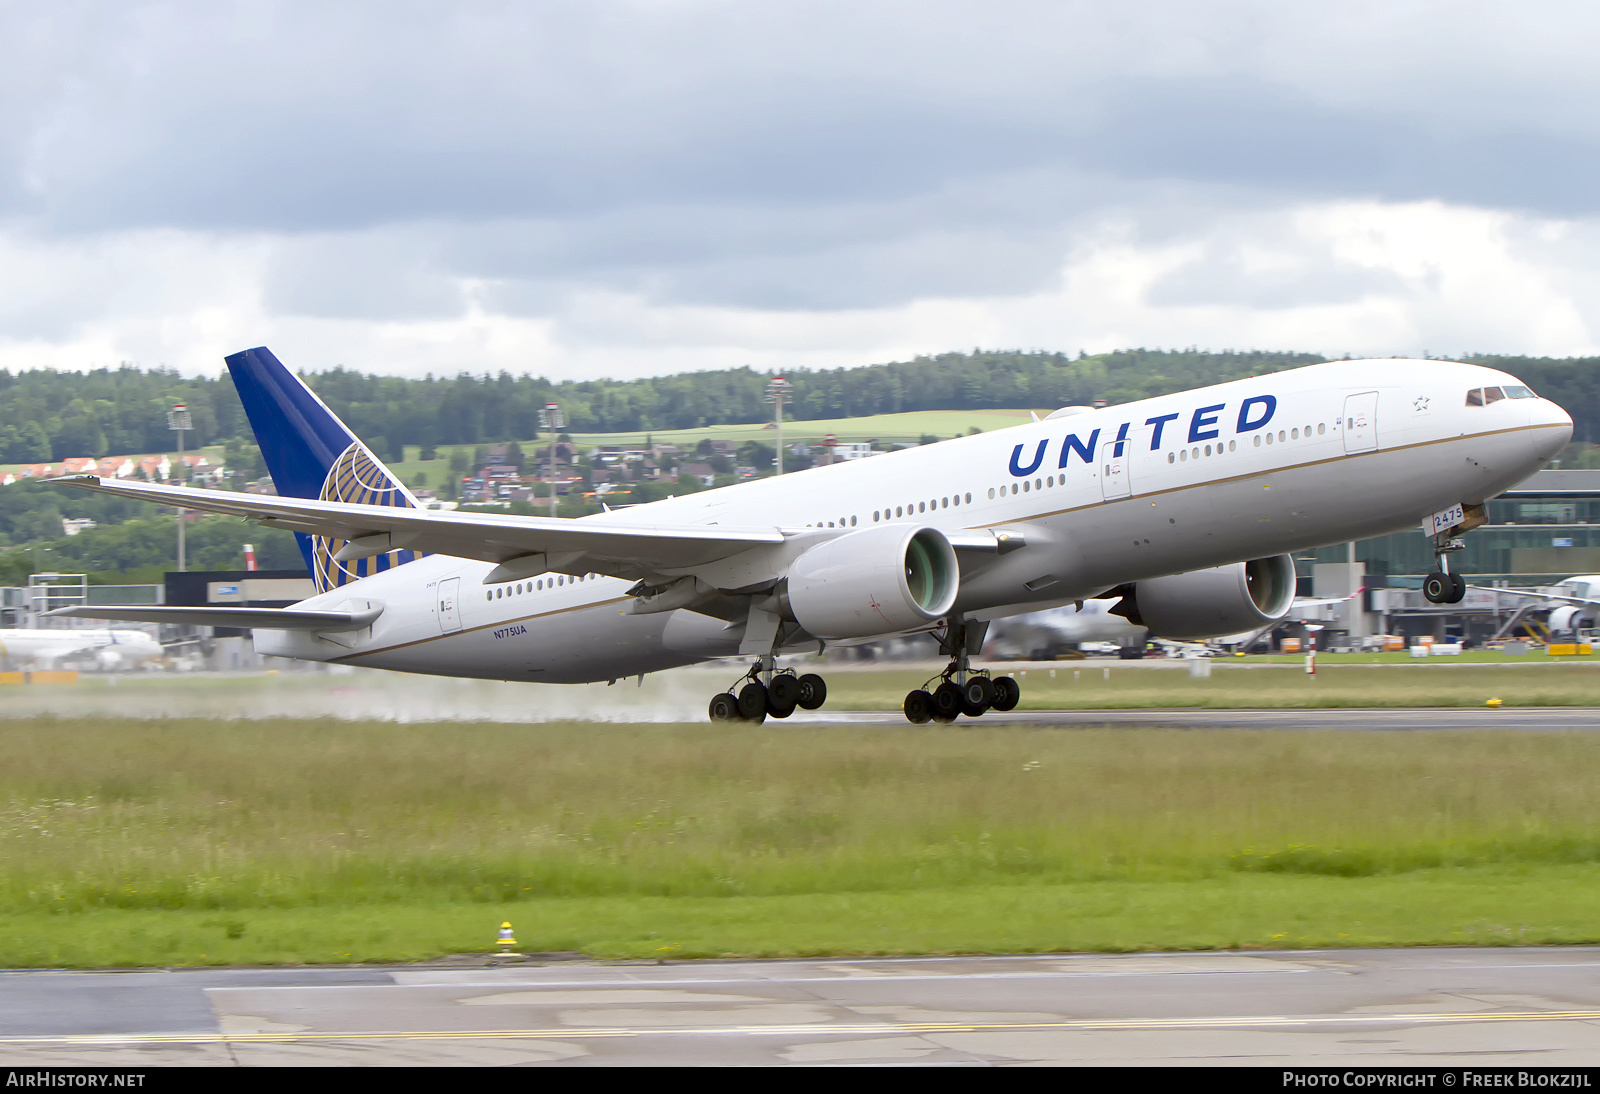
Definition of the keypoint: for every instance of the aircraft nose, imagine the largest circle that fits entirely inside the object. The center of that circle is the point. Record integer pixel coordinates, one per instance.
(1551, 428)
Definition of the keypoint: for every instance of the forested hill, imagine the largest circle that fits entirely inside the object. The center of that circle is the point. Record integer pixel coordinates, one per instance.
(47, 415)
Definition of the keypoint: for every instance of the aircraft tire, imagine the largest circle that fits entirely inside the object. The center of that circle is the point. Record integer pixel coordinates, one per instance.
(918, 708)
(1130, 653)
(753, 702)
(1458, 589)
(1007, 693)
(813, 691)
(947, 701)
(977, 696)
(1437, 587)
(783, 695)
(725, 708)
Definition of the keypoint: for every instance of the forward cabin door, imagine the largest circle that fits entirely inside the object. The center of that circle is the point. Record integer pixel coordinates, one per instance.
(1361, 422)
(449, 605)
(1116, 464)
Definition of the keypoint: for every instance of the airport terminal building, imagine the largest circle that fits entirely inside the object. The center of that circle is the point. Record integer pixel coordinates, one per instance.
(1541, 532)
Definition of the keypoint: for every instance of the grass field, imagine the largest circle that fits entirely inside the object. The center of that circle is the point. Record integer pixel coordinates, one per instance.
(192, 842)
(1252, 683)
(877, 427)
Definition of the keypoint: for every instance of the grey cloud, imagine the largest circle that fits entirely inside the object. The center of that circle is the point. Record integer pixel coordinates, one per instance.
(1225, 278)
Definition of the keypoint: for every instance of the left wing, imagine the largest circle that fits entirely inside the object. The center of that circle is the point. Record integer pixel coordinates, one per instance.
(529, 544)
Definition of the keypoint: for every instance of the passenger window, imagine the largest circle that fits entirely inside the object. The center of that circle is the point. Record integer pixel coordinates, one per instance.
(1258, 440)
(1038, 484)
(1475, 397)
(1184, 455)
(1322, 427)
(969, 498)
(1233, 446)
(1025, 487)
(1172, 457)
(1492, 395)
(1294, 433)
(991, 493)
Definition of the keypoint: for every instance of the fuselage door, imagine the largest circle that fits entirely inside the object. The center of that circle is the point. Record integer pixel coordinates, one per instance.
(1116, 463)
(1361, 422)
(450, 605)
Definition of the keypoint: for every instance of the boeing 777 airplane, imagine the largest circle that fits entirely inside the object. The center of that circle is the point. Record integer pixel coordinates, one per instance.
(1186, 507)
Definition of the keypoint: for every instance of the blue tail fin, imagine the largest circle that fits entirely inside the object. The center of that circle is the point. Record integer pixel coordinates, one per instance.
(310, 454)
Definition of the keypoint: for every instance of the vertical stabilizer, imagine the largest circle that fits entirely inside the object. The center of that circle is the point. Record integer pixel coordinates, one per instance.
(311, 454)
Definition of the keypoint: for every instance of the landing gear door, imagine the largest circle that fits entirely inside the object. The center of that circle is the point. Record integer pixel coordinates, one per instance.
(1361, 422)
(450, 605)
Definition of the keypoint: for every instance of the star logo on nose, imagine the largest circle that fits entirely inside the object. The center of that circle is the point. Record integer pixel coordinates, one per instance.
(1421, 403)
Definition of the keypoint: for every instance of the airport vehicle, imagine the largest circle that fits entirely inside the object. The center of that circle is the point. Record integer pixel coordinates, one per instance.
(111, 650)
(1182, 506)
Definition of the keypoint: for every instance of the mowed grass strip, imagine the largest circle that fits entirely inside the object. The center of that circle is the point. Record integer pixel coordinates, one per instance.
(1107, 685)
(180, 842)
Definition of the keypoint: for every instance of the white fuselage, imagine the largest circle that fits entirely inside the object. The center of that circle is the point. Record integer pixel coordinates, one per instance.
(1356, 449)
(113, 648)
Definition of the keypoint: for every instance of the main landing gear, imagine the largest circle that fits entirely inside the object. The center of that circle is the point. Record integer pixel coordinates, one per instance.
(1441, 586)
(767, 691)
(961, 690)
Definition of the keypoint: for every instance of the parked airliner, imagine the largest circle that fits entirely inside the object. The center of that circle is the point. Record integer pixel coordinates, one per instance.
(111, 649)
(1186, 507)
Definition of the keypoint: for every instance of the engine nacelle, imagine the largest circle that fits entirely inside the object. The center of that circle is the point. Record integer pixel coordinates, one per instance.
(883, 580)
(1244, 596)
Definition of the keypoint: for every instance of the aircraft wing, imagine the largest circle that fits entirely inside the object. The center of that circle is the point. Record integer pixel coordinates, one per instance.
(1547, 598)
(570, 546)
(280, 619)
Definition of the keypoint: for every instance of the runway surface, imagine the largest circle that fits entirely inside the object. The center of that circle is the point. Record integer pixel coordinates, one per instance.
(1527, 718)
(1484, 1008)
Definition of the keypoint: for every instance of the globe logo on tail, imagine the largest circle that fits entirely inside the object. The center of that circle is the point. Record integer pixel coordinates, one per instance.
(358, 478)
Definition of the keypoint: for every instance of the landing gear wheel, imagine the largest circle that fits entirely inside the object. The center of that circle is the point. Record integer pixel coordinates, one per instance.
(782, 695)
(725, 708)
(946, 701)
(1458, 589)
(1437, 587)
(1007, 693)
(753, 702)
(977, 696)
(1130, 653)
(813, 691)
(918, 708)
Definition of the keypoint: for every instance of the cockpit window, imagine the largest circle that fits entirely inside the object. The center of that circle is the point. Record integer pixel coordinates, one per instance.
(1517, 391)
(1475, 397)
(1492, 395)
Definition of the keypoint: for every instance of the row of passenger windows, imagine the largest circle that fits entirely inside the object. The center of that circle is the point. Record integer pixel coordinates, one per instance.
(1483, 396)
(920, 507)
(502, 591)
(1282, 436)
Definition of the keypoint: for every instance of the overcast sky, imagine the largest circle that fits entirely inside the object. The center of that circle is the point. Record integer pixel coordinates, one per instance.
(628, 187)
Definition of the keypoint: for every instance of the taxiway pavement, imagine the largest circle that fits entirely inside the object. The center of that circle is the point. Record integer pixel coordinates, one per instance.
(1431, 1007)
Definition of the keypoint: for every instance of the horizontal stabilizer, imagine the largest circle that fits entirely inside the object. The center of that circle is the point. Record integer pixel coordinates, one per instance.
(274, 619)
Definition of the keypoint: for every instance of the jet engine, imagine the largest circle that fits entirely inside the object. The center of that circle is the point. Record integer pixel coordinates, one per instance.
(1244, 596)
(884, 580)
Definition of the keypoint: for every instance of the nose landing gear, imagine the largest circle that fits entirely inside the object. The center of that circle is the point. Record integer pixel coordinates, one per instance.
(1441, 586)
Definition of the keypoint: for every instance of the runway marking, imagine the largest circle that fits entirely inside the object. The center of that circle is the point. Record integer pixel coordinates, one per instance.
(830, 1030)
(758, 982)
